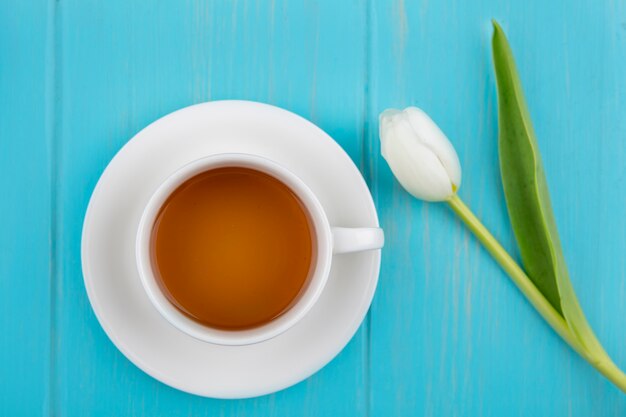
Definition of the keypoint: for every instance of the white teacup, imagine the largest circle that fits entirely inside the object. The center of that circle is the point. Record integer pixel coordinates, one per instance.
(329, 241)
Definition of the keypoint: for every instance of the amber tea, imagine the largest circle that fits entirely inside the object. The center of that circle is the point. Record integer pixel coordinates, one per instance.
(232, 248)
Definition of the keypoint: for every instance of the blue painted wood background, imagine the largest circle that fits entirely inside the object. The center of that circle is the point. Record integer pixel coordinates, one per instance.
(448, 334)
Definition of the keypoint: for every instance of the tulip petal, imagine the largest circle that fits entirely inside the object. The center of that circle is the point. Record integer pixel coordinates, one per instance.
(415, 166)
(431, 136)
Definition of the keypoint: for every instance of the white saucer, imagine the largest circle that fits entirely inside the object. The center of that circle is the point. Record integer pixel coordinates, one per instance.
(111, 222)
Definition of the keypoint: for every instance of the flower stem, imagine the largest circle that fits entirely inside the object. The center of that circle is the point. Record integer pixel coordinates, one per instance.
(611, 372)
(602, 363)
(516, 273)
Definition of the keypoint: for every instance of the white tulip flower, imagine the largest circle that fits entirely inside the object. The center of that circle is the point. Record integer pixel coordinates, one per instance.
(419, 154)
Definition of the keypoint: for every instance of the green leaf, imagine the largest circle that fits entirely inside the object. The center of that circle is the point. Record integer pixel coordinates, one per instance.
(528, 200)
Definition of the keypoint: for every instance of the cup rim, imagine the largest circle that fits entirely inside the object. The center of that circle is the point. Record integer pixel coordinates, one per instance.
(289, 318)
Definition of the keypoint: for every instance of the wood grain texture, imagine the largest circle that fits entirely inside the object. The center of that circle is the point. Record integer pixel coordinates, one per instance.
(448, 334)
(26, 250)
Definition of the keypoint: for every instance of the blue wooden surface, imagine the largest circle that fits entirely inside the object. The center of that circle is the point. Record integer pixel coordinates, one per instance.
(448, 334)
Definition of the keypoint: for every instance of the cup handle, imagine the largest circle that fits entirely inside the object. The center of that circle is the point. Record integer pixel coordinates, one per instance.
(346, 240)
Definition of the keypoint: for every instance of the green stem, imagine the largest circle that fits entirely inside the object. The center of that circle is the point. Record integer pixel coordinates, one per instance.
(604, 365)
(516, 273)
(611, 372)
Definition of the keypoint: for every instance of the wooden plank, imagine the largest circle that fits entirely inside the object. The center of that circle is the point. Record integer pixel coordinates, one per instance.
(126, 63)
(26, 133)
(450, 334)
